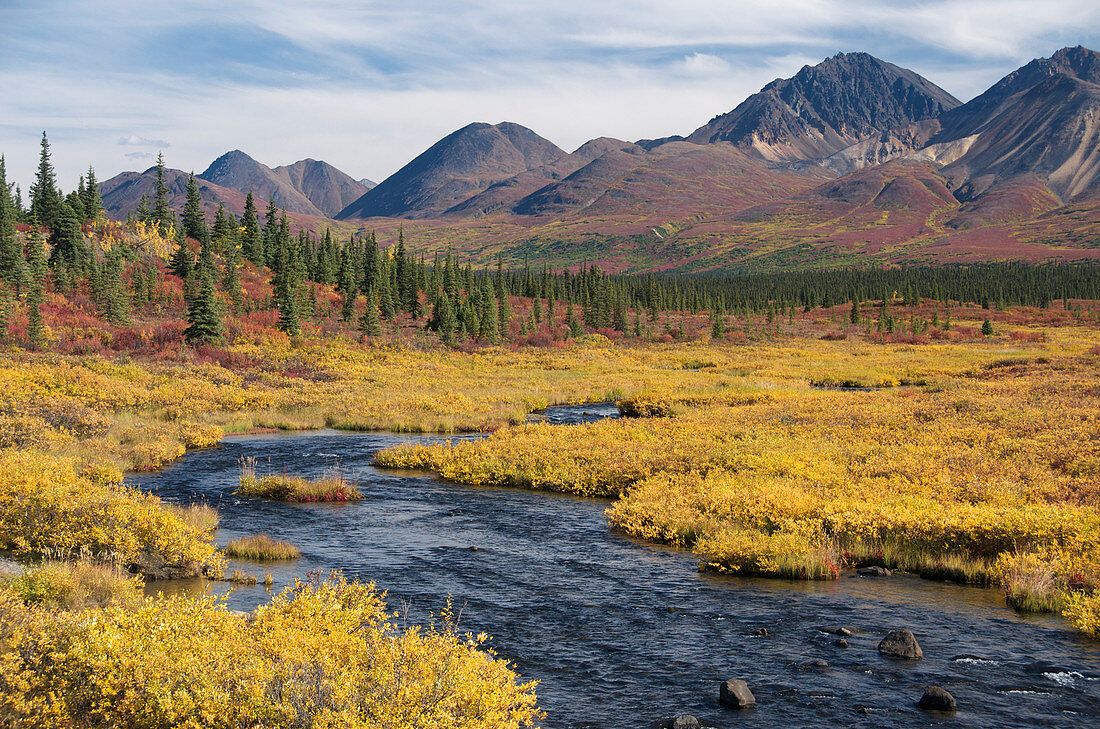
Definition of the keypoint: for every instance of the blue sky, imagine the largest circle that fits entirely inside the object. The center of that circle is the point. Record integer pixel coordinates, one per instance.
(369, 85)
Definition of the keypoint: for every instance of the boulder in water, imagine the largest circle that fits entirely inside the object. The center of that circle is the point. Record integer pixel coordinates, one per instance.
(840, 643)
(846, 631)
(874, 571)
(901, 644)
(735, 694)
(762, 632)
(683, 721)
(937, 699)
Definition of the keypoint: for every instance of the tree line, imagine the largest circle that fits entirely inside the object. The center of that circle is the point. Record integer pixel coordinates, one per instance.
(452, 298)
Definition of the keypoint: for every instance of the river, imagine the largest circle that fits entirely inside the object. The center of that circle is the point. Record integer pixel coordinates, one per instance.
(621, 633)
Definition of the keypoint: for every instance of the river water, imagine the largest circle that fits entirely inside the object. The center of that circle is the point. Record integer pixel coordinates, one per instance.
(621, 633)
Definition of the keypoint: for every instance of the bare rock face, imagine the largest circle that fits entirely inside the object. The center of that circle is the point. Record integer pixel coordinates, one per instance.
(937, 699)
(1038, 120)
(901, 644)
(826, 108)
(735, 694)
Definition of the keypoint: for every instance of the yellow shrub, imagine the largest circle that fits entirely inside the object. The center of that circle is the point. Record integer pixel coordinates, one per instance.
(321, 654)
(44, 506)
(1083, 610)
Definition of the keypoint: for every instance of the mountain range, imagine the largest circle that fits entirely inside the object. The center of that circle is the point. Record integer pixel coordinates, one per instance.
(852, 161)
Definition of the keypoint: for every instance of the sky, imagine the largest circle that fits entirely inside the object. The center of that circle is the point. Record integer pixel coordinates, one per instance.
(368, 85)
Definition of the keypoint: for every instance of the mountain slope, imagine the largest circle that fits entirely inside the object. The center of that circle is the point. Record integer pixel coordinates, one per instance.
(327, 188)
(122, 193)
(826, 108)
(1043, 119)
(507, 194)
(238, 171)
(454, 169)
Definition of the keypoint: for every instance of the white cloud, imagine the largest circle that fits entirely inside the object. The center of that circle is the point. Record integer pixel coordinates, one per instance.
(135, 141)
(369, 85)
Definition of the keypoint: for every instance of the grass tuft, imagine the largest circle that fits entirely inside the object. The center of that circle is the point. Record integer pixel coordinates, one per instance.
(332, 486)
(261, 548)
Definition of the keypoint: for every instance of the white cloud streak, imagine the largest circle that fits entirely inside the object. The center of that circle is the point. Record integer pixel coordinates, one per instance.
(368, 85)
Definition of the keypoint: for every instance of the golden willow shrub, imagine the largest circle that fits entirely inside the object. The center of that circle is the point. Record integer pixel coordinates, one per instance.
(45, 506)
(776, 478)
(321, 654)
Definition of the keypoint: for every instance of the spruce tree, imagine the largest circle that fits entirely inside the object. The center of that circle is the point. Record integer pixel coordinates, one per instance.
(181, 263)
(231, 280)
(369, 323)
(116, 300)
(252, 241)
(161, 215)
(93, 203)
(194, 220)
(45, 197)
(67, 251)
(12, 265)
(573, 326)
(6, 305)
(36, 289)
(270, 239)
(223, 229)
(204, 323)
(444, 320)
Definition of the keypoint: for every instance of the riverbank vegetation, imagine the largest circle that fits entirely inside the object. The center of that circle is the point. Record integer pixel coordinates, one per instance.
(333, 485)
(968, 449)
(986, 471)
(322, 653)
(261, 548)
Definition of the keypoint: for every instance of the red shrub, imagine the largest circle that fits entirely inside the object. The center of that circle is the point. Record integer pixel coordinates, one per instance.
(1027, 336)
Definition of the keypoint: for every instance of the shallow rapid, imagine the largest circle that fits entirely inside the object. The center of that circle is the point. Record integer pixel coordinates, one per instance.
(622, 633)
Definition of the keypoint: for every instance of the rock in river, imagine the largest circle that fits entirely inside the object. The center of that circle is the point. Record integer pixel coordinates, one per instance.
(735, 694)
(683, 721)
(873, 572)
(900, 644)
(937, 699)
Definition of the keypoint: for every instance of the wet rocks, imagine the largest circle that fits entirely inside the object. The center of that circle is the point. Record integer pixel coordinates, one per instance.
(735, 694)
(845, 631)
(683, 721)
(937, 699)
(873, 571)
(155, 567)
(840, 643)
(816, 664)
(762, 632)
(901, 644)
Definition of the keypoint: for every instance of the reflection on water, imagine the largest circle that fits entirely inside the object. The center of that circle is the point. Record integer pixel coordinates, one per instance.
(621, 633)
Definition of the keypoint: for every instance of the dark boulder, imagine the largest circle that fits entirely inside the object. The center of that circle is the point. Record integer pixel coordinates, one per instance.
(155, 567)
(735, 694)
(763, 632)
(840, 643)
(683, 721)
(901, 644)
(937, 699)
(874, 571)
